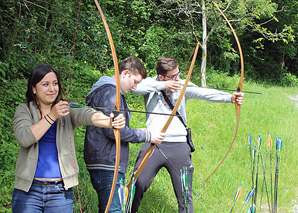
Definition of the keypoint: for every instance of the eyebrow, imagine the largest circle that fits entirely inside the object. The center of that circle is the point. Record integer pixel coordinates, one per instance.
(46, 81)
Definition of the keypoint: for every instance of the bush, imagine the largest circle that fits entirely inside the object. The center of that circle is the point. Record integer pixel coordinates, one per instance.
(12, 94)
(289, 80)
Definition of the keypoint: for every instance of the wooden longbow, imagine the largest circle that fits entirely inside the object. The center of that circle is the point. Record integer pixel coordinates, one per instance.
(239, 88)
(116, 106)
(164, 129)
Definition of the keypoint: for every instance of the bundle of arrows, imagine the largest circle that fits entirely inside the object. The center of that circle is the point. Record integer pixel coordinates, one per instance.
(184, 179)
(126, 195)
(261, 184)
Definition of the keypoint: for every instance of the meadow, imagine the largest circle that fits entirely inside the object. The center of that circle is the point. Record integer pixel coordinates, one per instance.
(213, 127)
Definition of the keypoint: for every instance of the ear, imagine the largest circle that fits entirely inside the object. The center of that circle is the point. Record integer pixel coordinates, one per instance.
(161, 77)
(125, 73)
(33, 90)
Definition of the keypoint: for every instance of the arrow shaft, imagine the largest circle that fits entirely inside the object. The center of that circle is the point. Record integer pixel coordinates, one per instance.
(137, 111)
(74, 105)
(257, 93)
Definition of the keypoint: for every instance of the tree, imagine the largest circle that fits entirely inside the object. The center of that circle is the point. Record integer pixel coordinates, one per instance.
(200, 15)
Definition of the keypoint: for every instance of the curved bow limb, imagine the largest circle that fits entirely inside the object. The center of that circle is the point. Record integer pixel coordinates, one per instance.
(239, 88)
(116, 106)
(167, 124)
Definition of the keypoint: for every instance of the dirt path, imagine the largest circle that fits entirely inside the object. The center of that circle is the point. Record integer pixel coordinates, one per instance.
(295, 99)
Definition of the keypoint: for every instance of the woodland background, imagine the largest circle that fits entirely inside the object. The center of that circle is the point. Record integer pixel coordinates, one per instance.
(38, 31)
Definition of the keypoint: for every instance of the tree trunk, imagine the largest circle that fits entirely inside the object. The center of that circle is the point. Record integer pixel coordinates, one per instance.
(204, 46)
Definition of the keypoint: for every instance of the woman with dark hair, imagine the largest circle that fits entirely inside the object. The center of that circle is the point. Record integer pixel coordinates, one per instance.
(47, 168)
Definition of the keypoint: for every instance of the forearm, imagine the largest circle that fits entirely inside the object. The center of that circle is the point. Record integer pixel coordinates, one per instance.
(208, 95)
(149, 85)
(129, 135)
(101, 120)
(41, 127)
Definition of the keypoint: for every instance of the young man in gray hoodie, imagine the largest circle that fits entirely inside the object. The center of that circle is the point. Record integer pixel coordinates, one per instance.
(174, 152)
(100, 146)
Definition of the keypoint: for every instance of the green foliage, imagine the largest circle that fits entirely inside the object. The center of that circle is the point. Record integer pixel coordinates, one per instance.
(156, 44)
(11, 95)
(221, 80)
(289, 80)
(43, 32)
(88, 75)
(278, 42)
(153, 39)
(88, 196)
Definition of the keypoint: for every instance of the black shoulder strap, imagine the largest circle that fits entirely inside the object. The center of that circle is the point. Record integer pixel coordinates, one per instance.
(171, 106)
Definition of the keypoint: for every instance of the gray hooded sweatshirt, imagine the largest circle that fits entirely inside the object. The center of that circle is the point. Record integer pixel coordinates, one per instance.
(151, 88)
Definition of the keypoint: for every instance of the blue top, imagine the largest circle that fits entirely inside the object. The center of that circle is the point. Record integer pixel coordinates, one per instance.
(48, 164)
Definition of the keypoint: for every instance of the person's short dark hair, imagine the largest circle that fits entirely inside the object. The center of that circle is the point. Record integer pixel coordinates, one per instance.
(134, 65)
(36, 75)
(166, 64)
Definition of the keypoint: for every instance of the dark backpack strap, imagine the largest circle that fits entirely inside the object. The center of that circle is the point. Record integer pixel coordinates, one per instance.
(171, 106)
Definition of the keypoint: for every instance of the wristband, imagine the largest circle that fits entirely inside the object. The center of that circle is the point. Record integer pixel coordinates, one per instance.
(47, 120)
(50, 118)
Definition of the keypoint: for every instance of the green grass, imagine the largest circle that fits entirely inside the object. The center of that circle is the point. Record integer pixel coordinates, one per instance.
(272, 112)
(213, 127)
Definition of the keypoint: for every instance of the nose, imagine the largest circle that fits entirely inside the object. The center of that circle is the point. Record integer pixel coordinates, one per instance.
(52, 87)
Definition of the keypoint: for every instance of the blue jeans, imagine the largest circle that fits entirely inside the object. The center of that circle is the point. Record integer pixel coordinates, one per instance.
(43, 196)
(102, 183)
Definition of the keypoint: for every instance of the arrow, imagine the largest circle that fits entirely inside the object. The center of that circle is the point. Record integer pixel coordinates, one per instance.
(237, 196)
(259, 143)
(251, 157)
(254, 165)
(251, 192)
(121, 194)
(264, 182)
(76, 105)
(269, 140)
(184, 179)
(257, 93)
(278, 150)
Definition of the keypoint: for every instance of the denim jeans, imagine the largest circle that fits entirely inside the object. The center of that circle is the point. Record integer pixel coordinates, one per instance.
(102, 183)
(43, 196)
